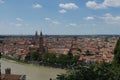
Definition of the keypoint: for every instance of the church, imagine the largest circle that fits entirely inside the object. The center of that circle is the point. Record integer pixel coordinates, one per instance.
(43, 44)
(38, 43)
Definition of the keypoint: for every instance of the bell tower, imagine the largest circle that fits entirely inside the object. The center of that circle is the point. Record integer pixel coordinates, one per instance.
(41, 42)
(36, 38)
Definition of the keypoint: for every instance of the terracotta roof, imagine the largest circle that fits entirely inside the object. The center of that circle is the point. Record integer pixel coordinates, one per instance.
(12, 77)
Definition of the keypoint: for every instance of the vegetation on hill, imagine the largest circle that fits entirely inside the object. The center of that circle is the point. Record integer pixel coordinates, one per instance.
(101, 71)
(116, 59)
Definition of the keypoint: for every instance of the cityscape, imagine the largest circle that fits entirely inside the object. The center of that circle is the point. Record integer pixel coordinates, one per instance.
(60, 40)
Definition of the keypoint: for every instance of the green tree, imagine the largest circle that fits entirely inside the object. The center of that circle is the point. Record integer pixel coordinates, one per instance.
(116, 59)
(49, 57)
(35, 56)
(70, 55)
(75, 59)
(63, 60)
(101, 71)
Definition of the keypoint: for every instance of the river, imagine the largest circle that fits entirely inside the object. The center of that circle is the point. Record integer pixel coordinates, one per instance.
(32, 72)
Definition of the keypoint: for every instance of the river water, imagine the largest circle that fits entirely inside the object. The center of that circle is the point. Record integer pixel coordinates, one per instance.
(32, 72)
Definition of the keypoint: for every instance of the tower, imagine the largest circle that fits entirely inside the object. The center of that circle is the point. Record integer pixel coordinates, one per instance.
(36, 38)
(41, 42)
(8, 71)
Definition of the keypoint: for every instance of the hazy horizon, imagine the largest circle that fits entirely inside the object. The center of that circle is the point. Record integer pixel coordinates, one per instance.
(61, 34)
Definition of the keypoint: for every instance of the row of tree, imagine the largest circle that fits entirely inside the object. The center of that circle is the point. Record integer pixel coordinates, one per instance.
(61, 60)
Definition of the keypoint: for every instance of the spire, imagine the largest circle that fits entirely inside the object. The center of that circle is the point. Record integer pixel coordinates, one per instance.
(36, 38)
(41, 47)
(40, 33)
(36, 33)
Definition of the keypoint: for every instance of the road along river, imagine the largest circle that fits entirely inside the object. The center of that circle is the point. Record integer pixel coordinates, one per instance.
(32, 72)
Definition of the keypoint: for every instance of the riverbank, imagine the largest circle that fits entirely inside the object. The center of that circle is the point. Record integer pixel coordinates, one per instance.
(23, 63)
(10, 58)
(61, 65)
(33, 72)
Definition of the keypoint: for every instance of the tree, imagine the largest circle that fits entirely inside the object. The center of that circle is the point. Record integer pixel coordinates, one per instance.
(49, 57)
(102, 71)
(116, 59)
(75, 59)
(70, 55)
(35, 56)
(63, 60)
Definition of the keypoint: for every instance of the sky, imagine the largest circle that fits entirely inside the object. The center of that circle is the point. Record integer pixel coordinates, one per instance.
(59, 17)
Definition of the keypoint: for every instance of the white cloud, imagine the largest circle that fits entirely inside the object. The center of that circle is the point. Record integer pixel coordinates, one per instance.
(71, 25)
(110, 19)
(37, 5)
(62, 11)
(53, 22)
(89, 18)
(68, 6)
(19, 19)
(105, 4)
(2, 1)
(112, 3)
(94, 5)
(47, 19)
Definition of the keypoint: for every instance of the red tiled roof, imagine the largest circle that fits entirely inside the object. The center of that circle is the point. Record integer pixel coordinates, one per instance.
(11, 77)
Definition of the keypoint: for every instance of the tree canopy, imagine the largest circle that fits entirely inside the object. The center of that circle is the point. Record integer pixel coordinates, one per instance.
(116, 59)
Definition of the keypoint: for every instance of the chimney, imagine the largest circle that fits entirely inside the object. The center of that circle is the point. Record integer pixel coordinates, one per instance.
(8, 71)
